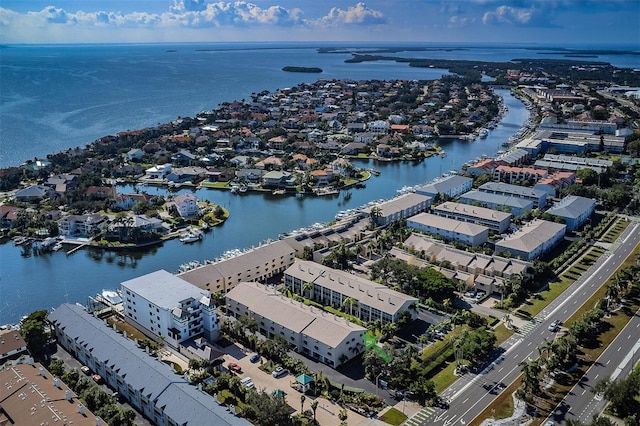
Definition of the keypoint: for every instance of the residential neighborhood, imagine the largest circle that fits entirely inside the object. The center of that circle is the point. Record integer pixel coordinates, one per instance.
(388, 304)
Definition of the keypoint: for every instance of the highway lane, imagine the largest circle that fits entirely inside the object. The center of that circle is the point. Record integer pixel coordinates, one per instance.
(469, 395)
(615, 362)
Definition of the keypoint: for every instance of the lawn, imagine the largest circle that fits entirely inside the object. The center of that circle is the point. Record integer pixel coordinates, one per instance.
(501, 407)
(445, 377)
(393, 416)
(567, 278)
(502, 333)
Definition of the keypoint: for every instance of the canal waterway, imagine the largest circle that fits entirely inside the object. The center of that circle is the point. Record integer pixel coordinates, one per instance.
(43, 282)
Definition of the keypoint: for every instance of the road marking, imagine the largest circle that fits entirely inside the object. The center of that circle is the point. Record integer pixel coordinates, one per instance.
(608, 362)
(596, 376)
(501, 368)
(465, 400)
(628, 337)
(619, 349)
(584, 391)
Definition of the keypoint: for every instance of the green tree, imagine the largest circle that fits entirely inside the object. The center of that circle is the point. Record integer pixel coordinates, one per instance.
(33, 332)
(267, 410)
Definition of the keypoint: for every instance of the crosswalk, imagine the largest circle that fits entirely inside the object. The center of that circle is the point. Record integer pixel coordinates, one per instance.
(420, 418)
(527, 327)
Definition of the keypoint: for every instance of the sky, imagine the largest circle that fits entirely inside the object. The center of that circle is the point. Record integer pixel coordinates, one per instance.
(591, 23)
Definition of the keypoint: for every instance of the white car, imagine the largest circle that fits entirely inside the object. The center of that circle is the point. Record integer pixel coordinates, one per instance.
(247, 383)
(554, 326)
(278, 372)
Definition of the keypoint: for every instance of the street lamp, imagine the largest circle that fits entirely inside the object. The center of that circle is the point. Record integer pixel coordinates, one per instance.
(377, 377)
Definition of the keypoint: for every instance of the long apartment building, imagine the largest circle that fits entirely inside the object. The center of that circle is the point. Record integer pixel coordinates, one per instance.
(320, 335)
(539, 198)
(515, 205)
(493, 219)
(533, 240)
(449, 229)
(150, 386)
(258, 264)
(366, 299)
(400, 207)
(164, 306)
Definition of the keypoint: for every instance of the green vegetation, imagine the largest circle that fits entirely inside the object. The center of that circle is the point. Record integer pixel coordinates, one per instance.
(393, 416)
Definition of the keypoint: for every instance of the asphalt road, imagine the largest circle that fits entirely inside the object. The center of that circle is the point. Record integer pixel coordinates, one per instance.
(615, 362)
(470, 394)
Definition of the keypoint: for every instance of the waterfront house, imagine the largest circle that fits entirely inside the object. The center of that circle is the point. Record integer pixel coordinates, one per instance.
(185, 204)
(151, 387)
(127, 201)
(100, 192)
(8, 215)
(184, 174)
(277, 179)
(320, 335)
(250, 175)
(158, 172)
(82, 224)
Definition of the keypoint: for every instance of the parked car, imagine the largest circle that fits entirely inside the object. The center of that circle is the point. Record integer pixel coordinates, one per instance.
(234, 367)
(279, 372)
(85, 370)
(247, 383)
(255, 358)
(98, 379)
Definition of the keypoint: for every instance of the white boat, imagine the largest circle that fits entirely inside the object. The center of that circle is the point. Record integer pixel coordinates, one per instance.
(191, 238)
(483, 133)
(57, 246)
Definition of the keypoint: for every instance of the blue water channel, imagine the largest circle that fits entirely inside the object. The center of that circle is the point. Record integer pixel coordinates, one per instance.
(43, 282)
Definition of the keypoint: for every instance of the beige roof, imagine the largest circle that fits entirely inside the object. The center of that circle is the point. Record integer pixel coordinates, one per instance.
(400, 203)
(10, 340)
(29, 398)
(365, 291)
(437, 250)
(532, 235)
(474, 211)
(232, 267)
(296, 316)
(447, 224)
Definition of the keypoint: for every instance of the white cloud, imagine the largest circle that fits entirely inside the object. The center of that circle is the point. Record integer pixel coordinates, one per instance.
(460, 21)
(359, 14)
(508, 15)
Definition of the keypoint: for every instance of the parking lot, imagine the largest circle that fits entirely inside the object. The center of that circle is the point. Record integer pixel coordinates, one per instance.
(327, 411)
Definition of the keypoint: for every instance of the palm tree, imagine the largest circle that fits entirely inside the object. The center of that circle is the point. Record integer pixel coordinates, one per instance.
(349, 301)
(314, 406)
(374, 214)
(307, 286)
(530, 372)
(302, 399)
(508, 321)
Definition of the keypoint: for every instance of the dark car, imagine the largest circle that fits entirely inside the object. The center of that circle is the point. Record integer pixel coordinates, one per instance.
(255, 358)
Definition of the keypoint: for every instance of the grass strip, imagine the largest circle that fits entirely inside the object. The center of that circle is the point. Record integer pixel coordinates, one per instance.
(393, 416)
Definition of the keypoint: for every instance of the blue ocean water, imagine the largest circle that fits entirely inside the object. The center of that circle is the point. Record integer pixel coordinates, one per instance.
(54, 97)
